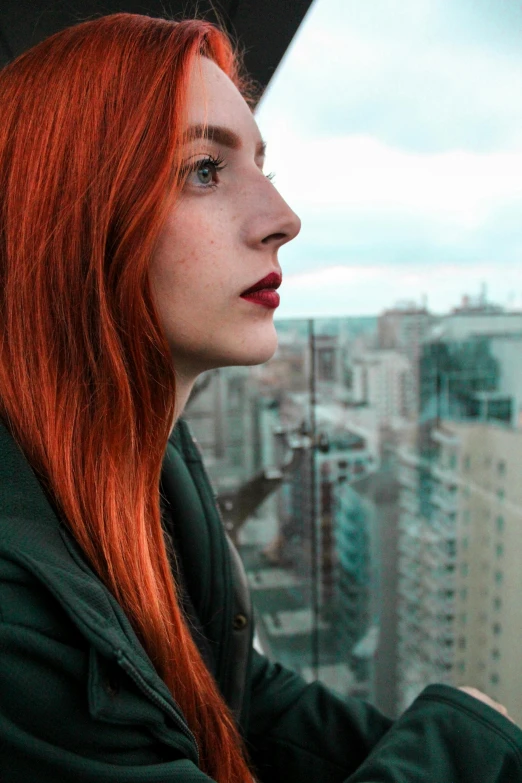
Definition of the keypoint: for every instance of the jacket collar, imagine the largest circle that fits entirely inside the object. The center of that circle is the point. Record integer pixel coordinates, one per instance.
(34, 536)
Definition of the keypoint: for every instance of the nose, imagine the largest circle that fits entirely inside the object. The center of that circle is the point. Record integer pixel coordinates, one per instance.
(276, 223)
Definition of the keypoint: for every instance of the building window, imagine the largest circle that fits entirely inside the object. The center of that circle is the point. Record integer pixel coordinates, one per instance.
(495, 654)
(501, 467)
(497, 603)
(500, 524)
(467, 462)
(464, 569)
(499, 577)
(464, 593)
(465, 516)
(500, 550)
(494, 678)
(500, 494)
(462, 642)
(497, 629)
(463, 618)
(465, 542)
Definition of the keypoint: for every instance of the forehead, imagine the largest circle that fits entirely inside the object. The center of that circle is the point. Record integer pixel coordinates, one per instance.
(213, 99)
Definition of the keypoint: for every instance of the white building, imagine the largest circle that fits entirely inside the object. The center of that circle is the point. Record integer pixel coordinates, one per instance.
(384, 380)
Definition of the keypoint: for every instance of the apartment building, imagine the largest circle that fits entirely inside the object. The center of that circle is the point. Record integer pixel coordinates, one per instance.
(488, 604)
(426, 570)
(384, 380)
(460, 548)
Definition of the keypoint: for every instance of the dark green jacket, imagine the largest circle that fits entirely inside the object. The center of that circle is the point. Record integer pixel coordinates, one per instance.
(80, 701)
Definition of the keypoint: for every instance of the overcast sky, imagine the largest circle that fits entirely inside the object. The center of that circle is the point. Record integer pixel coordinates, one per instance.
(394, 128)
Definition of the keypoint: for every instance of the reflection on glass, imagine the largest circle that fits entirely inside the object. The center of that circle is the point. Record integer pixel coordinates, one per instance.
(369, 476)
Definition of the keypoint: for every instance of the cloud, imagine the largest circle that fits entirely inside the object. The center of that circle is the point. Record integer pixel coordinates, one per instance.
(395, 131)
(430, 76)
(367, 290)
(361, 173)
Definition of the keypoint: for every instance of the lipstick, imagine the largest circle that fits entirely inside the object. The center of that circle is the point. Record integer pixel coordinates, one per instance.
(263, 292)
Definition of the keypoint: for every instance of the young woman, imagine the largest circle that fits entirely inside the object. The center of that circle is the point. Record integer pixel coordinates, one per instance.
(138, 248)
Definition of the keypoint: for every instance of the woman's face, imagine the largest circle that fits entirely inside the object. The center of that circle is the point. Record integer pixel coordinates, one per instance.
(221, 237)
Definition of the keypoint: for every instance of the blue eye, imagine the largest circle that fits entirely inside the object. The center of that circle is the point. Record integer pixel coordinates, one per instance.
(206, 171)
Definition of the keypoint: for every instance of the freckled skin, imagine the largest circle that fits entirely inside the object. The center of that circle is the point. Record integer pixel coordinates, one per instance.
(218, 242)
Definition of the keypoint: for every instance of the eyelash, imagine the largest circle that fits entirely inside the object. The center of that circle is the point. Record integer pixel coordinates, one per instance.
(218, 164)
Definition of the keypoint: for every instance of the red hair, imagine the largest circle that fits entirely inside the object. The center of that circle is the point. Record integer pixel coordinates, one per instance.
(89, 166)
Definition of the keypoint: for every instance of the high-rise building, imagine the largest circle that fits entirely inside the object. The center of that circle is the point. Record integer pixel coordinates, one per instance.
(426, 569)
(488, 609)
(404, 328)
(459, 576)
(365, 523)
(384, 380)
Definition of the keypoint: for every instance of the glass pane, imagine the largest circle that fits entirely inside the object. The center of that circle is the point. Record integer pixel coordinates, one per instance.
(369, 473)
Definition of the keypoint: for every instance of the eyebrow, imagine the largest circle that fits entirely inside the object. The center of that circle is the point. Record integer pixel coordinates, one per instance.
(221, 135)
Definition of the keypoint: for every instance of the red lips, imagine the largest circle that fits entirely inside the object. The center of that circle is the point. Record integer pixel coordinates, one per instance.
(263, 292)
(273, 280)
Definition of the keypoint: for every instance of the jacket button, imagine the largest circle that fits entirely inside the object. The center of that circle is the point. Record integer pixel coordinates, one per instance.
(240, 621)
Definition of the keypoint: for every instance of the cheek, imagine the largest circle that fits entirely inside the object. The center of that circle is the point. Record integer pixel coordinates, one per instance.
(196, 254)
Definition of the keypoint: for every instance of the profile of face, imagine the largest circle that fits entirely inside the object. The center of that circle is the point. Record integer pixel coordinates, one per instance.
(221, 238)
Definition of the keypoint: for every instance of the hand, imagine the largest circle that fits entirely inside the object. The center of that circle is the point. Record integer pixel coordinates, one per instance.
(487, 700)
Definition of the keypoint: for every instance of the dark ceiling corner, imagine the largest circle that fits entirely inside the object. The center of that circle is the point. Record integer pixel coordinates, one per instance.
(263, 29)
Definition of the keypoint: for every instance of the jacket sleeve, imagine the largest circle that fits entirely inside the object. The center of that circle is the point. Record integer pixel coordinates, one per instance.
(303, 732)
(70, 715)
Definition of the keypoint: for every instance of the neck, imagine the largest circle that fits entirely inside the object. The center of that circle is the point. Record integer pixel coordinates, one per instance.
(184, 385)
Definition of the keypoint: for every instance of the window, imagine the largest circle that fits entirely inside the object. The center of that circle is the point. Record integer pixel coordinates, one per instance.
(497, 629)
(494, 679)
(500, 494)
(424, 381)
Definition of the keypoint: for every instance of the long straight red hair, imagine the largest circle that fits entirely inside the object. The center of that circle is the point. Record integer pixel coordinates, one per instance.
(90, 140)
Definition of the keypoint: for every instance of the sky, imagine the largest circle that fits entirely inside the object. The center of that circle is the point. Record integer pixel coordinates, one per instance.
(394, 128)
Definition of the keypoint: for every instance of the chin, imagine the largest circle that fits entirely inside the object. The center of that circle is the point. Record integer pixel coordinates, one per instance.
(257, 350)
